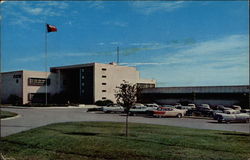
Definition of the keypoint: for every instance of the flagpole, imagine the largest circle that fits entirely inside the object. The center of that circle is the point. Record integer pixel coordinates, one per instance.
(1, 67)
(46, 63)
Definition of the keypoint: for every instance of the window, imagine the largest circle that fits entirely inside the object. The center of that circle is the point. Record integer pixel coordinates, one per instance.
(104, 91)
(17, 81)
(104, 83)
(37, 97)
(103, 97)
(38, 82)
(104, 69)
(103, 76)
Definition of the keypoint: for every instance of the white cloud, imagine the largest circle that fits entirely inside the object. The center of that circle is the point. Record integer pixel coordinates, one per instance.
(148, 7)
(101, 43)
(33, 11)
(96, 4)
(116, 23)
(222, 61)
(145, 44)
(53, 56)
(21, 12)
(115, 43)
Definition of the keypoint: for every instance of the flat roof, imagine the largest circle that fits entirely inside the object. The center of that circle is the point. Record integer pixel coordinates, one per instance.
(73, 66)
(200, 89)
(18, 71)
(85, 65)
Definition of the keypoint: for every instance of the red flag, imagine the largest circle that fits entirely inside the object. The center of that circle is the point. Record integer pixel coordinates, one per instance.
(51, 28)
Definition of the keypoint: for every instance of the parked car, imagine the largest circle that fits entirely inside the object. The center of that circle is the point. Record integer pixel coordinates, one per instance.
(245, 111)
(177, 104)
(113, 108)
(223, 108)
(152, 106)
(242, 117)
(168, 105)
(236, 107)
(168, 112)
(185, 107)
(138, 110)
(216, 113)
(203, 106)
(204, 109)
(193, 106)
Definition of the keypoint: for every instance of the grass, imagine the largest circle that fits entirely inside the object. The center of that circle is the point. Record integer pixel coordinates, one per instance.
(6, 114)
(106, 140)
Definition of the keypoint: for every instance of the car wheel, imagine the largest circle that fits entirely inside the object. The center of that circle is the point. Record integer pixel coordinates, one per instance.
(179, 115)
(219, 121)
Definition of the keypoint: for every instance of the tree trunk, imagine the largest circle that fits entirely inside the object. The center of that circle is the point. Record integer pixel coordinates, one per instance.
(127, 125)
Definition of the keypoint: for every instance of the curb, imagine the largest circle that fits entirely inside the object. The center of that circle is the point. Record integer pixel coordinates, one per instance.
(207, 118)
(9, 118)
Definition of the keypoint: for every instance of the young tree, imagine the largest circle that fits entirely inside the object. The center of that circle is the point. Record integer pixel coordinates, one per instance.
(126, 97)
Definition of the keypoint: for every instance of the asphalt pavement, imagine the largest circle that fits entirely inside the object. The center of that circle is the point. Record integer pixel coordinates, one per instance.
(32, 117)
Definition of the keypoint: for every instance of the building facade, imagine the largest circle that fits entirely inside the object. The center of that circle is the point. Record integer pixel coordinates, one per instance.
(84, 83)
(213, 95)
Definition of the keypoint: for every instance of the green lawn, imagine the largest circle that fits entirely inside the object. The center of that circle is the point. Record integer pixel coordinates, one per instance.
(5, 114)
(106, 140)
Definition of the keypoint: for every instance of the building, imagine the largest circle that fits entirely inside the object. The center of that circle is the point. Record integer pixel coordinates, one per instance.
(83, 83)
(213, 95)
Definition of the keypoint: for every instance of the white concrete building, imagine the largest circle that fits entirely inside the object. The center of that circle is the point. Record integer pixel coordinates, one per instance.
(84, 83)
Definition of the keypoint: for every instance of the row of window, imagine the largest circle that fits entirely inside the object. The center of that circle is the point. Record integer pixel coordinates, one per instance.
(104, 76)
(38, 81)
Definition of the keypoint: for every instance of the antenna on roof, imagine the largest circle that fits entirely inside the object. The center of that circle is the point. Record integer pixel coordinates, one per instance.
(117, 55)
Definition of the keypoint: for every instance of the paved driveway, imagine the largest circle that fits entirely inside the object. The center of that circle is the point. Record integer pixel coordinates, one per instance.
(36, 117)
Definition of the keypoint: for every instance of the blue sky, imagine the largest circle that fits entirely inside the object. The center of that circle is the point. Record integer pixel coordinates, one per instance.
(177, 43)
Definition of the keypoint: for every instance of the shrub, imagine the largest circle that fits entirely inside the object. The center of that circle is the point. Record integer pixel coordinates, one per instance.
(14, 99)
(103, 102)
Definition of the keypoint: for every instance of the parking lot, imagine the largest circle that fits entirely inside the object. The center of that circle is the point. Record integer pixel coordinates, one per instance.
(35, 117)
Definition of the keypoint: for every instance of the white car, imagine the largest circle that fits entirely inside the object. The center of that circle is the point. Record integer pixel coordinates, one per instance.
(241, 117)
(152, 107)
(216, 113)
(140, 110)
(236, 107)
(169, 112)
(204, 106)
(192, 106)
(113, 108)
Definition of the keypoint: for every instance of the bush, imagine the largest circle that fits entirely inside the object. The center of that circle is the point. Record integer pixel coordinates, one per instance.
(14, 99)
(104, 102)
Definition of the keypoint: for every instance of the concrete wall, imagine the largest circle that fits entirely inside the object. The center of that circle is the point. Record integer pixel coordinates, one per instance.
(198, 102)
(52, 88)
(104, 84)
(115, 75)
(11, 84)
(213, 95)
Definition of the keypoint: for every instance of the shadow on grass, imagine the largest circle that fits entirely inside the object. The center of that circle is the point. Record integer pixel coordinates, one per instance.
(235, 134)
(82, 133)
(87, 153)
